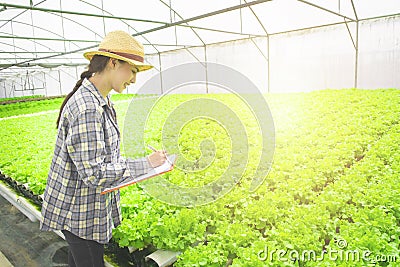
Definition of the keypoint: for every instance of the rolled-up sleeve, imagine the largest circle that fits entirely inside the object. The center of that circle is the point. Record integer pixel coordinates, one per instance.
(87, 148)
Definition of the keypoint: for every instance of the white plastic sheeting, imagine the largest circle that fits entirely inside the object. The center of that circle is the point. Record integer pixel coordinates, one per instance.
(281, 45)
(312, 59)
(379, 54)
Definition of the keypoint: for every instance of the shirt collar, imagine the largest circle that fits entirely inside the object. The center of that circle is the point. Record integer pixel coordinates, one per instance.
(103, 101)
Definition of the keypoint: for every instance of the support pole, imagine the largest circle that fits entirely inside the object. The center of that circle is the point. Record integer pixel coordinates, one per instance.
(205, 62)
(268, 66)
(161, 80)
(356, 46)
(356, 63)
(59, 81)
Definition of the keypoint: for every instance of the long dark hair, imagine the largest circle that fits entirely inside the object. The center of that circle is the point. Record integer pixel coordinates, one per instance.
(97, 64)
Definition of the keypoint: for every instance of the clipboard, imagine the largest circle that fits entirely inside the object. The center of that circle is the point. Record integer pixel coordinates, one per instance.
(166, 167)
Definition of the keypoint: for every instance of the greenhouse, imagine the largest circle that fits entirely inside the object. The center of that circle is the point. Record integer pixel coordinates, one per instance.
(270, 129)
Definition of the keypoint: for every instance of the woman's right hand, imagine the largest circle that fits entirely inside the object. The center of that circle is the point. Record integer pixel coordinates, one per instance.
(157, 158)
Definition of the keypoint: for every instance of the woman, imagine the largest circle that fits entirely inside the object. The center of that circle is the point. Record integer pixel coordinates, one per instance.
(87, 154)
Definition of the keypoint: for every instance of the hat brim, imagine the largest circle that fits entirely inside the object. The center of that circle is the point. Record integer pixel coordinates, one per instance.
(140, 66)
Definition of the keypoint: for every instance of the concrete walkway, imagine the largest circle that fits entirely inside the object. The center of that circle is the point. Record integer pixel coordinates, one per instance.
(23, 244)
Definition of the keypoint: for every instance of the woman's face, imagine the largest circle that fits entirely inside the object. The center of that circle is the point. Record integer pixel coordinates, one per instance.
(123, 75)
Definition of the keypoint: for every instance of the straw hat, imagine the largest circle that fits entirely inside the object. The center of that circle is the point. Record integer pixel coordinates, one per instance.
(121, 45)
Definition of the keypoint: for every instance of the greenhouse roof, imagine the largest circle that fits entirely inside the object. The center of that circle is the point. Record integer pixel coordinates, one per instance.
(50, 33)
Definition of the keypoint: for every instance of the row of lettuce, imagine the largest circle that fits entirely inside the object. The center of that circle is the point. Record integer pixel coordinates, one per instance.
(330, 198)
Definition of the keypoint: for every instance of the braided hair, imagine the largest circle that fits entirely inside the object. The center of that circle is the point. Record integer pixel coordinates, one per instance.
(97, 64)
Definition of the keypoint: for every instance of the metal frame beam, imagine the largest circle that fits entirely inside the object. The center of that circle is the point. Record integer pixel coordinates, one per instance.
(153, 29)
(267, 57)
(223, 31)
(78, 13)
(210, 14)
(129, 26)
(355, 46)
(46, 39)
(4, 8)
(183, 23)
(47, 47)
(171, 10)
(380, 17)
(29, 52)
(327, 10)
(25, 58)
(40, 28)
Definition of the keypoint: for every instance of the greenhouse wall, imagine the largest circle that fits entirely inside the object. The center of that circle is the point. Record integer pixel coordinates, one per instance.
(249, 57)
(41, 81)
(307, 60)
(300, 61)
(379, 58)
(313, 59)
(30, 83)
(6, 88)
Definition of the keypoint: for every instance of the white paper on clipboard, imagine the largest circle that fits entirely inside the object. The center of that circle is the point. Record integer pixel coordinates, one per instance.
(166, 167)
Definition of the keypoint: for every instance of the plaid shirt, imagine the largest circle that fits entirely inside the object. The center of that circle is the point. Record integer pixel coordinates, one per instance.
(86, 160)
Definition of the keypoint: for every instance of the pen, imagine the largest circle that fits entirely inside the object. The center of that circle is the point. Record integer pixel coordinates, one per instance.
(152, 148)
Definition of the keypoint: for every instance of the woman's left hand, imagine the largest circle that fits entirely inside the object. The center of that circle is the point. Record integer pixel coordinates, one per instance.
(157, 158)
